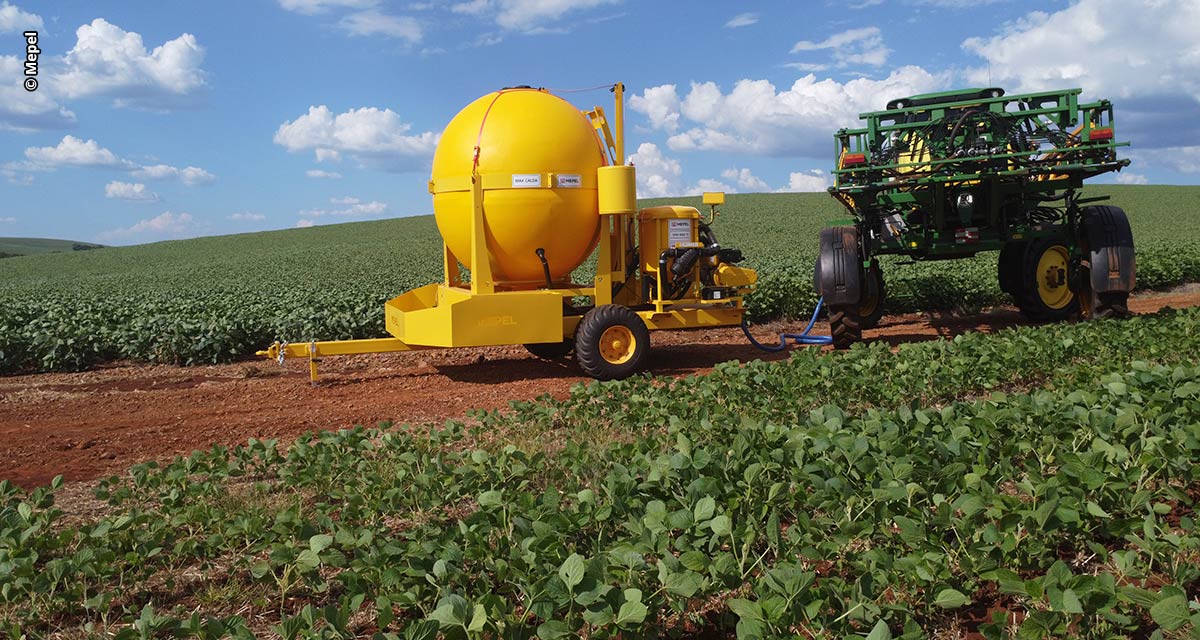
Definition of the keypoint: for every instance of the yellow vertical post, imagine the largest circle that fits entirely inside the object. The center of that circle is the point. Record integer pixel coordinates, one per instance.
(619, 97)
(450, 267)
(604, 263)
(481, 265)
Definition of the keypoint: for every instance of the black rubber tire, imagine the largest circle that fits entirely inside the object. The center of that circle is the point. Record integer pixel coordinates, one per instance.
(591, 330)
(1110, 304)
(870, 309)
(551, 350)
(1008, 269)
(845, 326)
(1030, 301)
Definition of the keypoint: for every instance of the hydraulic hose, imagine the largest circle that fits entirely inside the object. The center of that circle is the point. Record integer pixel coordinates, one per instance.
(799, 338)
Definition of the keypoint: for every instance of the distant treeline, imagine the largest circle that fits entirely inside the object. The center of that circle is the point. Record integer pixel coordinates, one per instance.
(78, 246)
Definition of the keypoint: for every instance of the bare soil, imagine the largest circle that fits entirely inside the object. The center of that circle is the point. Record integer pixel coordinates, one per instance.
(92, 424)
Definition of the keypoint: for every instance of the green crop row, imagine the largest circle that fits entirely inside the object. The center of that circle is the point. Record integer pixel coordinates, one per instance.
(827, 494)
(217, 299)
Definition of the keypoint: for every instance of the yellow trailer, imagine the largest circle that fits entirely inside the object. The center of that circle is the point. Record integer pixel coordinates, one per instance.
(525, 187)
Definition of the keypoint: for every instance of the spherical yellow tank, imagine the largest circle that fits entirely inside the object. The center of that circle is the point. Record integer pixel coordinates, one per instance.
(538, 157)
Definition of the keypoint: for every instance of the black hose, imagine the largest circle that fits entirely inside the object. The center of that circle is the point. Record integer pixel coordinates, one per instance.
(541, 254)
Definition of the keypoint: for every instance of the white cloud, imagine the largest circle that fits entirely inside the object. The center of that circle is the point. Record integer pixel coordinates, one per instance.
(161, 227)
(309, 7)
(708, 184)
(246, 216)
(746, 181)
(15, 177)
(529, 16)
(129, 191)
(191, 176)
(657, 175)
(109, 61)
(371, 136)
(813, 180)
(756, 118)
(304, 224)
(742, 20)
(660, 104)
(27, 111)
(1131, 178)
(346, 207)
(319, 173)
(8, 219)
(73, 152)
(851, 47)
(1111, 48)
(371, 23)
(12, 18)
(1181, 159)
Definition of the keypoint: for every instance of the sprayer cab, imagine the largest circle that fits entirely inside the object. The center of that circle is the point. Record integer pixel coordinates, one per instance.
(525, 188)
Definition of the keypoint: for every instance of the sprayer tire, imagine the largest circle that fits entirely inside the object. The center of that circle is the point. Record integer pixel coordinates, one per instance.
(845, 326)
(1044, 298)
(870, 310)
(611, 342)
(551, 350)
(1111, 304)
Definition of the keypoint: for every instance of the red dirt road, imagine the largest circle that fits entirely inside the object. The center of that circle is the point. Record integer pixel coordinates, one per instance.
(87, 425)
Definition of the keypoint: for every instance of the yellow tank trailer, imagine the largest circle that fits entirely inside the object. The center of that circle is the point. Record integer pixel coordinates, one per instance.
(525, 187)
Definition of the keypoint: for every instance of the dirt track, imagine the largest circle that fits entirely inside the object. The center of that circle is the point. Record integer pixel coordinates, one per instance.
(86, 425)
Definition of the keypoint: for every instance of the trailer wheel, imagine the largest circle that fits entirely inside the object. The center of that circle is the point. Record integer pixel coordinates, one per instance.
(1046, 295)
(1111, 268)
(611, 342)
(870, 308)
(551, 350)
(845, 326)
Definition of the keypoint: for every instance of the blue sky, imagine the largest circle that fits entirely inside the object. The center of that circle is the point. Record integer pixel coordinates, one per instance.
(156, 120)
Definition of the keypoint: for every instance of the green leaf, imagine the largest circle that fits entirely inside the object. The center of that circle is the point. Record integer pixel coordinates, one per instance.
(747, 609)
(950, 599)
(721, 525)
(478, 619)
(1070, 602)
(704, 509)
(571, 571)
(451, 611)
(553, 629)
(1096, 510)
(684, 584)
(880, 632)
(320, 542)
(490, 499)
(1171, 612)
(308, 560)
(631, 613)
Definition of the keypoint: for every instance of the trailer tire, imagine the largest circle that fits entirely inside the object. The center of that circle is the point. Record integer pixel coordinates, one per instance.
(1045, 295)
(874, 293)
(611, 342)
(551, 350)
(845, 326)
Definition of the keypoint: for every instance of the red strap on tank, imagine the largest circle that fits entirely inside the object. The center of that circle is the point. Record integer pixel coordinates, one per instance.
(479, 136)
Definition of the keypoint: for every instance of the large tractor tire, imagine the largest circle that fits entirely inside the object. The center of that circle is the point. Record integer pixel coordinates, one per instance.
(1111, 268)
(874, 293)
(839, 281)
(1045, 294)
(611, 342)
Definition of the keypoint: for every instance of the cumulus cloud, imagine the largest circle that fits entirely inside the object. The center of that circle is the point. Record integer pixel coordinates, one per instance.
(304, 223)
(812, 180)
(745, 180)
(321, 174)
(246, 216)
(310, 7)
(373, 137)
(1131, 178)
(346, 207)
(12, 18)
(28, 111)
(657, 175)
(129, 191)
(851, 47)
(742, 20)
(660, 104)
(374, 23)
(1182, 159)
(164, 226)
(109, 61)
(755, 117)
(1144, 54)
(190, 176)
(73, 152)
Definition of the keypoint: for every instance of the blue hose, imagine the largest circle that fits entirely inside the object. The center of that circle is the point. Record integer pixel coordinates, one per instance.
(799, 338)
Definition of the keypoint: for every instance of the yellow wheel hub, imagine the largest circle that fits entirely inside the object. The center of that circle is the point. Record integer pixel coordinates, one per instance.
(1052, 277)
(617, 344)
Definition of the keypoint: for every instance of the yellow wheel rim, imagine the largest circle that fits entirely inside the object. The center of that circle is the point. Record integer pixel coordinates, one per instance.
(617, 344)
(1052, 277)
